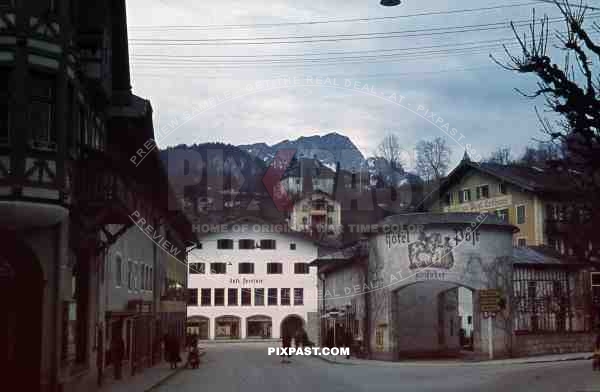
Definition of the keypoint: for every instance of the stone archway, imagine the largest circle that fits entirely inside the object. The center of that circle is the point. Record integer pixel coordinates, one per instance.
(259, 326)
(21, 292)
(290, 325)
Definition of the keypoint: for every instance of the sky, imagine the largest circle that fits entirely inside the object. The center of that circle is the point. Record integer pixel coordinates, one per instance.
(434, 54)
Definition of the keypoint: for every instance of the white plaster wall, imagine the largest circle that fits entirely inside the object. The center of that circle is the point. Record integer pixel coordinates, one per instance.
(305, 252)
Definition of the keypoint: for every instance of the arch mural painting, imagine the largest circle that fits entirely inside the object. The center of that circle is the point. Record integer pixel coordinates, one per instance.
(416, 264)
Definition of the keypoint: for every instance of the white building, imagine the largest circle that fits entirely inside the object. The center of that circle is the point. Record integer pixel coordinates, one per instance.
(250, 280)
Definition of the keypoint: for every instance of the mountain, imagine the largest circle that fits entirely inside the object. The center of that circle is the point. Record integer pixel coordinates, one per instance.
(328, 149)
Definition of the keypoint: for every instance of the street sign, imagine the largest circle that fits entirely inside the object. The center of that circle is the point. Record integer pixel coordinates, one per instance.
(489, 301)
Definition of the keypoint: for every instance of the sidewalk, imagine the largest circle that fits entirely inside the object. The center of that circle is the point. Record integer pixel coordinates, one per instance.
(148, 378)
(341, 360)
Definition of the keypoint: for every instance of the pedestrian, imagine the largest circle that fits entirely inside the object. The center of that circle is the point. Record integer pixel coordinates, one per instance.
(286, 343)
(173, 351)
(117, 349)
(596, 355)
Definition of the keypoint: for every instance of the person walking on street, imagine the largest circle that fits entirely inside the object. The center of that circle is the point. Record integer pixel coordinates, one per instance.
(117, 350)
(172, 346)
(286, 343)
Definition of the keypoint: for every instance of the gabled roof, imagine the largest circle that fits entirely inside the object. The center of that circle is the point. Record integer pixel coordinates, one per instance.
(530, 178)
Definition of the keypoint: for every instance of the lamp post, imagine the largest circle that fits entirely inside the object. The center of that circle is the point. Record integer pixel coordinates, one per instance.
(390, 3)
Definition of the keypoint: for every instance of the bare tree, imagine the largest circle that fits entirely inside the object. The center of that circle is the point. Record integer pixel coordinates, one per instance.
(541, 155)
(433, 158)
(389, 149)
(572, 91)
(502, 156)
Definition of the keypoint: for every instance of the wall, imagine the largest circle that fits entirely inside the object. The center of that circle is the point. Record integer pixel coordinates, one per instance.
(556, 343)
(305, 252)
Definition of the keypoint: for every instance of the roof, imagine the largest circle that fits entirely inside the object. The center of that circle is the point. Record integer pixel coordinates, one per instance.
(310, 168)
(542, 256)
(433, 218)
(530, 178)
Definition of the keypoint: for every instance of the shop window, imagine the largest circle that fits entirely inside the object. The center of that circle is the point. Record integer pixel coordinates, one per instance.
(219, 297)
(272, 297)
(218, 268)
(298, 296)
(246, 268)
(274, 268)
(259, 297)
(285, 296)
(197, 268)
(246, 244)
(224, 244)
(205, 297)
(42, 112)
(267, 244)
(301, 268)
(246, 297)
(232, 297)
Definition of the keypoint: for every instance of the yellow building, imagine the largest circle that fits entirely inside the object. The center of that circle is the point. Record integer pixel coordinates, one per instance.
(525, 196)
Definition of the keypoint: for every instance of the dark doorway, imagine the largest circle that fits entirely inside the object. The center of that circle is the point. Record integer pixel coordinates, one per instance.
(21, 286)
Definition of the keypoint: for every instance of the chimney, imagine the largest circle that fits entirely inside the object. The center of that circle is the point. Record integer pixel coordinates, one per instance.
(121, 82)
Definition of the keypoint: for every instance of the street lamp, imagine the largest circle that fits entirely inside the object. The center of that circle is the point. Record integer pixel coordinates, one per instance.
(390, 3)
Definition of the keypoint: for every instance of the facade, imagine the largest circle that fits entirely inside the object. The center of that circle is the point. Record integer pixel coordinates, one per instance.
(69, 126)
(318, 215)
(248, 282)
(530, 198)
(400, 287)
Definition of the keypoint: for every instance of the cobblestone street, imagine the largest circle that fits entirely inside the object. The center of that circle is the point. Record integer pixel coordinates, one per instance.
(247, 367)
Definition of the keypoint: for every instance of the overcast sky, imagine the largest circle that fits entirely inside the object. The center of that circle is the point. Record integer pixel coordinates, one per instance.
(428, 67)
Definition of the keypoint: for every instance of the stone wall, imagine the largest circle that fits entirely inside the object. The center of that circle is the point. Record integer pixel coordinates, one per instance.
(553, 343)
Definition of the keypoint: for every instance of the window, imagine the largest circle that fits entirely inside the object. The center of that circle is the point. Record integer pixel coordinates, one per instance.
(299, 296)
(246, 297)
(267, 244)
(272, 297)
(192, 297)
(522, 242)
(304, 220)
(520, 215)
(205, 297)
(482, 192)
(197, 268)
(218, 268)
(301, 268)
(274, 268)
(502, 214)
(329, 220)
(219, 297)
(464, 196)
(292, 246)
(330, 209)
(502, 188)
(246, 244)
(285, 296)
(151, 279)
(246, 268)
(259, 297)
(41, 112)
(130, 277)
(379, 336)
(224, 244)
(119, 271)
(232, 297)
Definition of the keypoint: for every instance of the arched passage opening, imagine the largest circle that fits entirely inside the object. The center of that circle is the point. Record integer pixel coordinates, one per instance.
(431, 318)
(198, 326)
(290, 325)
(21, 285)
(258, 327)
(227, 327)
